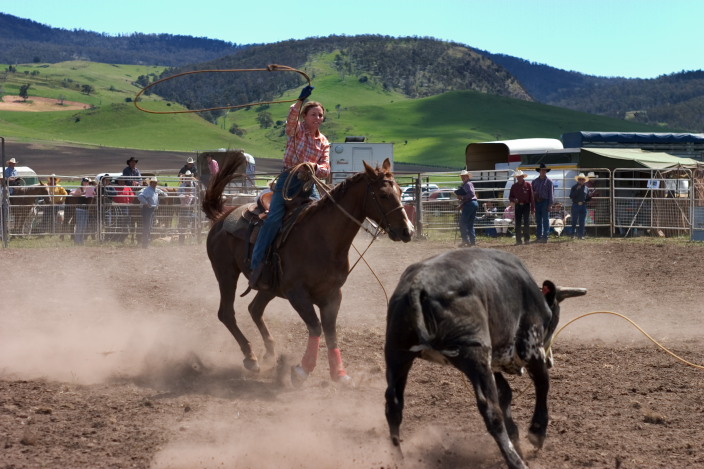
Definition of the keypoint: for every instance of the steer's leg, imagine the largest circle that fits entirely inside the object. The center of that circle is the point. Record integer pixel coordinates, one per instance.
(505, 398)
(398, 364)
(475, 363)
(538, 371)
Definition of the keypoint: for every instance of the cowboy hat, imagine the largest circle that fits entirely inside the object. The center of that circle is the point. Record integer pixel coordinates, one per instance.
(132, 158)
(591, 175)
(464, 172)
(12, 160)
(519, 174)
(187, 173)
(542, 166)
(189, 160)
(581, 176)
(152, 179)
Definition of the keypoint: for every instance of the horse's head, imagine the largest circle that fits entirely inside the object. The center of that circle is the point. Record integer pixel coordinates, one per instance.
(383, 203)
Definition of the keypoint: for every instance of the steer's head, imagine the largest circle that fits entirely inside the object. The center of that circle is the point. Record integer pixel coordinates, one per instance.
(553, 297)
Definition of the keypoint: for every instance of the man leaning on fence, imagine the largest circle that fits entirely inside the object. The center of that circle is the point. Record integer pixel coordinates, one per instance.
(149, 200)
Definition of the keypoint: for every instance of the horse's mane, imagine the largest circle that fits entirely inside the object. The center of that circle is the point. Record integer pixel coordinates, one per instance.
(340, 189)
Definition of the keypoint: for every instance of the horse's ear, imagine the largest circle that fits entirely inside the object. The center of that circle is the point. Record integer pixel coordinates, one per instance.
(386, 166)
(368, 169)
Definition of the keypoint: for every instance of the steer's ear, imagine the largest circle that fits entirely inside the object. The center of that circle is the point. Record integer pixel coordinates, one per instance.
(550, 292)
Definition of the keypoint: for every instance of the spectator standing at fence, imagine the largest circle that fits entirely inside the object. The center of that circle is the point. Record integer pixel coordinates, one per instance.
(190, 167)
(81, 228)
(54, 212)
(580, 195)
(521, 196)
(149, 199)
(132, 172)
(468, 209)
(543, 193)
(306, 144)
(11, 177)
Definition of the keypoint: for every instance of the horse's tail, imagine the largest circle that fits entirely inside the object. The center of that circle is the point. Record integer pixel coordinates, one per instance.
(213, 203)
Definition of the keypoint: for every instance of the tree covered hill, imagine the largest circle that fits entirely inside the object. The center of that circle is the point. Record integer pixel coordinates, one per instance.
(26, 41)
(676, 100)
(414, 67)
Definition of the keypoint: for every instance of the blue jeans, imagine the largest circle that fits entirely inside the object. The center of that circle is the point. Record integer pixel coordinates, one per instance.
(579, 218)
(542, 220)
(469, 213)
(275, 218)
(147, 221)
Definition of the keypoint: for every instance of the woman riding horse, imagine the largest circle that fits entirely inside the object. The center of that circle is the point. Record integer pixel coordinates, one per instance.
(313, 259)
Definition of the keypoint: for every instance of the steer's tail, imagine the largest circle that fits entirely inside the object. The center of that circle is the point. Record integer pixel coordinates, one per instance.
(442, 324)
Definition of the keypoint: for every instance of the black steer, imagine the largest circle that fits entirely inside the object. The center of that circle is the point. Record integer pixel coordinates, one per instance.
(480, 311)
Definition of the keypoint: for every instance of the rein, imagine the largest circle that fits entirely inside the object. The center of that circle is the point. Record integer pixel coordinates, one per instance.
(269, 68)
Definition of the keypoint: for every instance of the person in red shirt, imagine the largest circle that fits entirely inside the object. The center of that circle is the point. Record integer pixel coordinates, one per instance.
(521, 196)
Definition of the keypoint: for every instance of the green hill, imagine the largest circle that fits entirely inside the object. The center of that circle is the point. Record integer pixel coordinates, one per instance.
(433, 130)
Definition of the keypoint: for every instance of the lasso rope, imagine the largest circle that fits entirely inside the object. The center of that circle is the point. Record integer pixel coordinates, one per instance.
(269, 68)
(662, 347)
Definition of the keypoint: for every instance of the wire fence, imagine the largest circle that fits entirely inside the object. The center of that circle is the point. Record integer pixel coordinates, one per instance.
(625, 202)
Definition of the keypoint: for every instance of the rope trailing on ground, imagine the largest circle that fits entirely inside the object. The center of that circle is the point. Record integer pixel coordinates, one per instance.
(662, 347)
(269, 68)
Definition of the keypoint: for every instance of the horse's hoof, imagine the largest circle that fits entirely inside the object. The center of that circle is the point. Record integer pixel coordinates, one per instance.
(345, 381)
(251, 364)
(298, 375)
(536, 440)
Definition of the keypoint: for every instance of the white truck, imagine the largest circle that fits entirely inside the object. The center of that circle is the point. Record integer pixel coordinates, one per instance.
(346, 158)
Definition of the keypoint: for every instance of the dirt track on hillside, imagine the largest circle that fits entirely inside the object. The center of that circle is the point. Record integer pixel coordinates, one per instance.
(37, 104)
(114, 358)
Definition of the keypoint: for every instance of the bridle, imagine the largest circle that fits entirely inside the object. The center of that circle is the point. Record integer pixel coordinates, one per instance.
(384, 215)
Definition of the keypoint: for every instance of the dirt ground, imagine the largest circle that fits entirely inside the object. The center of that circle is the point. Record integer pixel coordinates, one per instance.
(114, 358)
(37, 104)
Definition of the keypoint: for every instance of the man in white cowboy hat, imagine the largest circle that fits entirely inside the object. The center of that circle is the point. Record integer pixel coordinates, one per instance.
(149, 199)
(11, 173)
(580, 195)
(189, 166)
(469, 206)
(521, 196)
(543, 194)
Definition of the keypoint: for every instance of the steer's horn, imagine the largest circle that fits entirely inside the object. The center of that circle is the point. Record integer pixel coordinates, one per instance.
(568, 292)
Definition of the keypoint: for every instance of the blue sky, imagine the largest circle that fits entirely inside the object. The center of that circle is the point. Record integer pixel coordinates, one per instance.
(628, 38)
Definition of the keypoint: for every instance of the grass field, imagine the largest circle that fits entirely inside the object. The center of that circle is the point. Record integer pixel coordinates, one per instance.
(432, 131)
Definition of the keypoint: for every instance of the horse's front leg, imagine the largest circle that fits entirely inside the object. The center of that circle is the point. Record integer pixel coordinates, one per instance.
(303, 304)
(227, 279)
(328, 317)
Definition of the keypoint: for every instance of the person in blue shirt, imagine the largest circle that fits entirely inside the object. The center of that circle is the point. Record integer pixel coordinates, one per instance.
(580, 195)
(543, 193)
(132, 172)
(149, 200)
(469, 206)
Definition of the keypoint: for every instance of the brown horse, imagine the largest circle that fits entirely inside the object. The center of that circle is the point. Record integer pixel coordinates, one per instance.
(314, 259)
(24, 201)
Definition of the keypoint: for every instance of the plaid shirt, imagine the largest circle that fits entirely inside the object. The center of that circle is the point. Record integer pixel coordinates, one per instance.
(304, 147)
